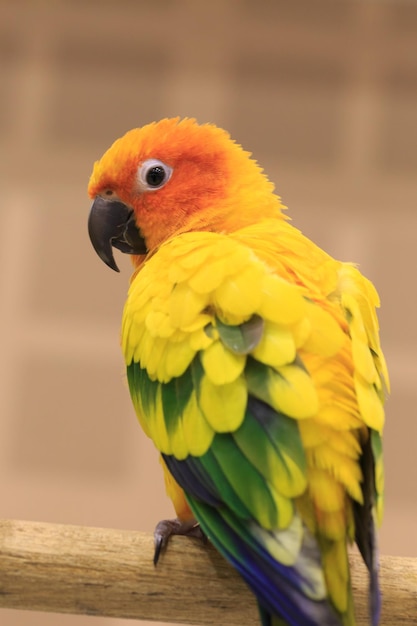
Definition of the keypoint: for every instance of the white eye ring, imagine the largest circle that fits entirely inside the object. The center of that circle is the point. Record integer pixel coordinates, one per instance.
(153, 174)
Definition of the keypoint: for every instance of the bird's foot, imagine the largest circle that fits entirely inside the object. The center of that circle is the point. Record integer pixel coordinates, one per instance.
(168, 527)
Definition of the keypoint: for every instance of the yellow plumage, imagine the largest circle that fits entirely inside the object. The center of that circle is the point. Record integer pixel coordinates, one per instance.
(282, 305)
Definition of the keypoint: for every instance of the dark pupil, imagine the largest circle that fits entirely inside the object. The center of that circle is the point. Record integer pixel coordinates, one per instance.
(155, 176)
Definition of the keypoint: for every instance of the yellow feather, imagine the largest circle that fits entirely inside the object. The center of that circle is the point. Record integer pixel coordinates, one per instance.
(328, 495)
(356, 323)
(221, 365)
(198, 323)
(336, 571)
(287, 477)
(223, 406)
(276, 347)
(326, 337)
(211, 275)
(159, 324)
(305, 508)
(240, 295)
(156, 354)
(333, 524)
(363, 361)
(128, 346)
(379, 476)
(143, 347)
(292, 392)
(132, 333)
(179, 249)
(370, 404)
(139, 298)
(197, 431)
(336, 415)
(185, 305)
(359, 298)
(177, 273)
(284, 511)
(156, 426)
(313, 433)
(200, 340)
(195, 256)
(362, 299)
(140, 413)
(347, 443)
(177, 357)
(344, 469)
(379, 510)
(301, 331)
(383, 369)
(283, 545)
(282, 302)
(177, 440)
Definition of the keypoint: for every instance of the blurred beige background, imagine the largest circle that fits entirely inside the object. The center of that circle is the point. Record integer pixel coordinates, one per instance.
(323, 93)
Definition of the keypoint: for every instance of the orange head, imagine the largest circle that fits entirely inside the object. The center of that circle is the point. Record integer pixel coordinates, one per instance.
(175, 176)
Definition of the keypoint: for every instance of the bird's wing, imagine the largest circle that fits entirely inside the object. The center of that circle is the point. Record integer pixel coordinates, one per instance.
(234, 372)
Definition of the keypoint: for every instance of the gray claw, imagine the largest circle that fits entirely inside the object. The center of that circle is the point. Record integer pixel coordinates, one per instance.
(168, 527)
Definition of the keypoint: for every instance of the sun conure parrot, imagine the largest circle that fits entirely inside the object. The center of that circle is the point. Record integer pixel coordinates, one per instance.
(254, 364)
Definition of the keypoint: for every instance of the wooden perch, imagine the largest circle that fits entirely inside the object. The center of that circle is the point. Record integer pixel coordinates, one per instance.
(96, 571)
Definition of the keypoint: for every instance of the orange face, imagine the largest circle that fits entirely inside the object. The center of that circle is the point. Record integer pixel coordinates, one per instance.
(177, 176)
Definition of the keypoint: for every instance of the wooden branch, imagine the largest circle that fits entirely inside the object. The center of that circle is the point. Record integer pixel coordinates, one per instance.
(96, 571)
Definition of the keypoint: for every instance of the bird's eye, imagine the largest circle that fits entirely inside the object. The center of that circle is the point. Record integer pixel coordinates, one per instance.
(153, 174)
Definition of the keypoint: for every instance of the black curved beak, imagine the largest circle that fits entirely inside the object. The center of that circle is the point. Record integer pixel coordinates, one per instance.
(112, 224)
